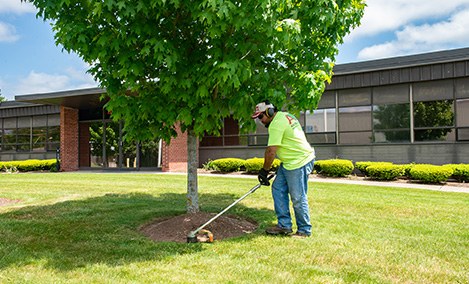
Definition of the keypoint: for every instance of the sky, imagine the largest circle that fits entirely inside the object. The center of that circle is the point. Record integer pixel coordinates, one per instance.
(31, 63)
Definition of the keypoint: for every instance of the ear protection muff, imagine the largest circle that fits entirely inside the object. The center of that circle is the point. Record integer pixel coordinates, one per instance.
(270, 112)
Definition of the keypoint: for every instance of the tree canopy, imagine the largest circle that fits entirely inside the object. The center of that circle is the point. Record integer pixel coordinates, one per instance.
(195, 62)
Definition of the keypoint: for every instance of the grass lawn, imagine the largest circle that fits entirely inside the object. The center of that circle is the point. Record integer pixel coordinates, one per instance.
(81, 228)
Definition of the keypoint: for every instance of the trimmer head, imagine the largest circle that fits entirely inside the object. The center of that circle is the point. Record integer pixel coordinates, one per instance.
(191, 239)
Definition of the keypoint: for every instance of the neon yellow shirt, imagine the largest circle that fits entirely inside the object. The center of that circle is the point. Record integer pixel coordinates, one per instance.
(293, 149)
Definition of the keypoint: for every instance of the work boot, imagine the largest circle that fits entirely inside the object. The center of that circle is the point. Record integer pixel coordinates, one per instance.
(276, 230)
(299, 235)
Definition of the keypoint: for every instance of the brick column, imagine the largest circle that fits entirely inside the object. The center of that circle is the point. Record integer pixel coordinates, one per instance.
(68, 139)
(84, 145)
(174, 155)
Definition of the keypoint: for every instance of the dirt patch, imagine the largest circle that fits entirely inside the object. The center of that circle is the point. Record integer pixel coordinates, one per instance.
(5, 201)
(177, 229)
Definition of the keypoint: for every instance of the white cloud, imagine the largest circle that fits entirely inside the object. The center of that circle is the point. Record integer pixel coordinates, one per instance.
(385, 15)
(8, 33)
(422, 38)
(16, 7)
(43, 83)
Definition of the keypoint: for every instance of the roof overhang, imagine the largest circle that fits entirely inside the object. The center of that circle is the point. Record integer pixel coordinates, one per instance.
(78, 99)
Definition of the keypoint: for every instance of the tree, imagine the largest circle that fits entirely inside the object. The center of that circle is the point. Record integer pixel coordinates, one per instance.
(433, 114)
(195, 62)
(1, 98)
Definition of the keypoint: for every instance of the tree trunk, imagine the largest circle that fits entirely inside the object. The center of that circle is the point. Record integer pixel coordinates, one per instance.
(192, 194)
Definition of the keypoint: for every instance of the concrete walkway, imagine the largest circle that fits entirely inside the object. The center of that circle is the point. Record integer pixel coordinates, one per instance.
(447, 188)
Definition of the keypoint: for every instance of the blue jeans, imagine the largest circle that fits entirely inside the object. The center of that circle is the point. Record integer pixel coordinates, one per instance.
(295, 184)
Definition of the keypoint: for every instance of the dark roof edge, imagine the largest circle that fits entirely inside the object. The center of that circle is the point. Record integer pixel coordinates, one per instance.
(15, 104)
(70, 93)
(445, 56)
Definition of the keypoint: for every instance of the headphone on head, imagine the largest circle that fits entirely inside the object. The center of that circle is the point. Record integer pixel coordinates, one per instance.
(270, 111)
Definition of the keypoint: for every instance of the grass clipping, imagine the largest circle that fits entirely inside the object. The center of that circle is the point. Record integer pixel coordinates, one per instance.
(177, 229)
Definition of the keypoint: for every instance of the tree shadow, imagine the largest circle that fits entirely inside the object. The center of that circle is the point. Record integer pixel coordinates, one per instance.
(76, 233)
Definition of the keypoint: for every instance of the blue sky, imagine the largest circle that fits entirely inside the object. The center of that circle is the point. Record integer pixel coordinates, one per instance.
(30, 62)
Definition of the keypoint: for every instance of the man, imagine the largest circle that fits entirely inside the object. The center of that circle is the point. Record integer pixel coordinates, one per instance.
(288, 141)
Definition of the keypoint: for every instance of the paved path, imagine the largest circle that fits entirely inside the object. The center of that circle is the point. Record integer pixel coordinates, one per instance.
(447, 188)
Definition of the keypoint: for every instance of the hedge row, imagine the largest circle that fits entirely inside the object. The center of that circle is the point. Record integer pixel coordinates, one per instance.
(423, 172)
(339, 168)
(28, 165)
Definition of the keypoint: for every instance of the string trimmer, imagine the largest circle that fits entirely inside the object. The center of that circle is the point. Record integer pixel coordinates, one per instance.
(192, 237)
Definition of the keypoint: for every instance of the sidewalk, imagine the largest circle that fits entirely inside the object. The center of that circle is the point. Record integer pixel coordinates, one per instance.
(454, 187)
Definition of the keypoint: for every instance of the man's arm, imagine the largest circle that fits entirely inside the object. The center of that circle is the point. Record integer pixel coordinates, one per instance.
(269, 157)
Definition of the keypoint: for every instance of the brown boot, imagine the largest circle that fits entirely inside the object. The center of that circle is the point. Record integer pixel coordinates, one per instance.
(276, 230)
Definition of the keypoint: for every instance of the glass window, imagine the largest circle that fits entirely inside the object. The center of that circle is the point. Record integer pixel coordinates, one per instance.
(53, 120)
(39, 146)
(327, 100)
(321, 138)
(24, 147)
(463, 134)
(24, 135)
(9, 136)
(24, 122)
(211, 141)
(393, 116)
(355, 119)
(435, 134)
(433, 114)
(9, 122)
(355, 97)
(53, 134)
(434, 90)
(356, 138)
(39, 121)
(462, 87)
(391, 94)
(321, 120)
(462, 110)
(383, 136)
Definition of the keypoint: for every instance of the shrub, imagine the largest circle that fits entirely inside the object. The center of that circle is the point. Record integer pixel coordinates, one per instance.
(363, 166)
(255, 165)
(228, 164)
(461, 171)
(385, 171)
(317, 166)
(336, 167)
(210, 166)
(407, 168)
(29, 165)
(431, 173)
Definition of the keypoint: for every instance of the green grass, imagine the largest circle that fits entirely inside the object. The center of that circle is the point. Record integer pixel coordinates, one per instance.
(81, 228)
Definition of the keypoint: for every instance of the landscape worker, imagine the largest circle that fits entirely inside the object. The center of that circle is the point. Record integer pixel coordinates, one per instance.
(288, 141)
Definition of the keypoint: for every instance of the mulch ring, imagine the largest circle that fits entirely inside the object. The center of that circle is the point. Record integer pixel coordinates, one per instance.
(6, 201)
(177, 229)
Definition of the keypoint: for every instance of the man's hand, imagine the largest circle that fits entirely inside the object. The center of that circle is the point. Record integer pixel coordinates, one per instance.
(263, 179)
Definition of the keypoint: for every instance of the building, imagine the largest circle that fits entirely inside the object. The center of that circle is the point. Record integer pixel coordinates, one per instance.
(402, 110)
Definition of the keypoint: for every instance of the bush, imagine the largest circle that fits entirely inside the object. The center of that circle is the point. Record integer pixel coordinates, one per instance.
(228, 164)
(461, 171)
(363, 166)
(336, 168)
(385, 171)
(407, 168)
(29, 165)
(431, 173)
(255, 165)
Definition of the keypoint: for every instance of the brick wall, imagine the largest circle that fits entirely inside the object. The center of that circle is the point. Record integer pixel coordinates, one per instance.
(68, 139)
(84, 145)
(174, 155)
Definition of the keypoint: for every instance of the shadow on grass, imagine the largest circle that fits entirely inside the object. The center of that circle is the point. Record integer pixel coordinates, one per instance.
(77, 233)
